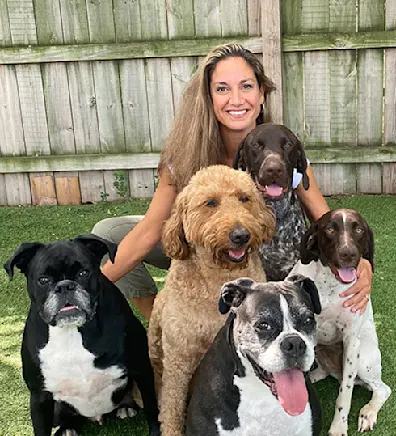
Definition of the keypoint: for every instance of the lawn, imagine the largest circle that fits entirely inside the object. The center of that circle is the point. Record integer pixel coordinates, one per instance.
(20, 224)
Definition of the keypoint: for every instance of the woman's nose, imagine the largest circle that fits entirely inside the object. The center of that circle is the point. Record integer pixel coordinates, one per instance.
(236, 97)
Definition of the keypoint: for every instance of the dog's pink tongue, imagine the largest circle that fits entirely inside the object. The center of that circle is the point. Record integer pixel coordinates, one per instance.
(274, 190)
(347, 275)
(237, 253)
(292, 391)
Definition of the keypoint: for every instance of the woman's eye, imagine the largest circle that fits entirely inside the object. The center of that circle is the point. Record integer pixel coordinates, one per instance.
(83, 273)
(44, 280)
(212, 203)
(247, 86)
(221, 88)
(243, 198)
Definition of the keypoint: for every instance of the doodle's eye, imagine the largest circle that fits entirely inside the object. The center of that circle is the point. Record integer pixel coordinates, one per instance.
(212, 203)
(244, 198)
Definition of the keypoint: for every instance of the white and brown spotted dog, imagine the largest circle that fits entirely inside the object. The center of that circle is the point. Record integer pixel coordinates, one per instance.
(275, 159)
(330, 252)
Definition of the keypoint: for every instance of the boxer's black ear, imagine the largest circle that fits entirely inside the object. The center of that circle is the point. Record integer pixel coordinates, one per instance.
(22, 257)
(233, 293)
(309, 287)
(98, 246)
(309, 248)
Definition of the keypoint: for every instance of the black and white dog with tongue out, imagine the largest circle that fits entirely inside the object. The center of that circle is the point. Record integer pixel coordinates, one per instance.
(83, 349)
(253, 379)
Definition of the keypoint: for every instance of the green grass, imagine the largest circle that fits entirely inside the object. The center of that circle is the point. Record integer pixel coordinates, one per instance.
(20, 224)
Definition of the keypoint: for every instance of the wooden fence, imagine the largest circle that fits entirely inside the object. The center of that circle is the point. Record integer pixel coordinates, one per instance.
(88, 89)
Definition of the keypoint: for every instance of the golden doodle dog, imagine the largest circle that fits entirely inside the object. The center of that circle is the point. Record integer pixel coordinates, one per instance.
(213, 234)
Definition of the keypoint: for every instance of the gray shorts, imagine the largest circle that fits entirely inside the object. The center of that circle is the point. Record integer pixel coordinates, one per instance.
(138, 282)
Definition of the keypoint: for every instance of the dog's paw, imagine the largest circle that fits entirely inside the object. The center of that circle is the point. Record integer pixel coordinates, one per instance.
(126, 412)
(339, 429)
(317, 374)
(66, 432)
(367, 418)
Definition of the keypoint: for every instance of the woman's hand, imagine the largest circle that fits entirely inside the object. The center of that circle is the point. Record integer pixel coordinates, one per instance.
(360, 289)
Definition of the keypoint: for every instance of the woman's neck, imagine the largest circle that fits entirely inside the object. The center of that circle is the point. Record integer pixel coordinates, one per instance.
(231, 140)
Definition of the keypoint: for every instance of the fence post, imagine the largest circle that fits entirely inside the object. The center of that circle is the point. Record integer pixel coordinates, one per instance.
(272, 54)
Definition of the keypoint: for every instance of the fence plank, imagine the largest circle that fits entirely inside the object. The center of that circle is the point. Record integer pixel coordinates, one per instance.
(3, 193)
(48, 22)
(180, 19)
(292, 68)
(182, 69)
(43, 189)
(270, 29)
(22, 22)
(101, 21)
(5, 32)
(17, 189)
(389, 170)
(11, 128)
(127, 20)
(159, 93)
(207, 18)
(74, 21)
(91, 186)
(233, 15)
(153, 19)
(254, 17)
(116, 185)
(370, 95)
(141, 183)
(336, 178)
(83, 106)
(135, 106)
(67, 188)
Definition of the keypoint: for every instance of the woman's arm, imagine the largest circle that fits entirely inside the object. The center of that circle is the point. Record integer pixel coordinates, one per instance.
(315, 206)
(312, 199)
(146, 234)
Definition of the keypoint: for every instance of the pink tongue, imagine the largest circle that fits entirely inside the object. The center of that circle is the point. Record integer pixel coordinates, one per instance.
(64, 309)
(274, 190)
(347, 274)
(237, 253)
(292, 391)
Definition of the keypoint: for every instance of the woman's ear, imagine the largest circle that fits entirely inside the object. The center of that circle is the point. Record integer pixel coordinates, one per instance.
(173, 236)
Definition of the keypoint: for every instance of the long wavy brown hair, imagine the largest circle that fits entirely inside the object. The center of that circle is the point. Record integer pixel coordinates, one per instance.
(194, 141)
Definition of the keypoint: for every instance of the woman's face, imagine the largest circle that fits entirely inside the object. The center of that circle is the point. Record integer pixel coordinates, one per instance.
(236, 94)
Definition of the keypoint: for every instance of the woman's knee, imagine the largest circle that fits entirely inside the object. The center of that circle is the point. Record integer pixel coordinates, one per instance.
(115, 229)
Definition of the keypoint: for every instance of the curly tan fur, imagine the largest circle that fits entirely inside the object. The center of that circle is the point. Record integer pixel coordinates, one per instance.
(185, 317)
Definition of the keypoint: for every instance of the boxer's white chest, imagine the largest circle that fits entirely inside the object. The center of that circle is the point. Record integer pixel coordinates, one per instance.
(71, 376)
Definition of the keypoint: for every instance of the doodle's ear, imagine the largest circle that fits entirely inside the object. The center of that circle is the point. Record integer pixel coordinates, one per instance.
(233, 293)
(302, 165)
(369, 251)
(98, 246)
(173, 235)
(308, 286)
(309, 249)
(22, 257)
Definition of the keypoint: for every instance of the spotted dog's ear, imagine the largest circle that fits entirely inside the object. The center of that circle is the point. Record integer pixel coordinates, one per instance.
(369, 251)
(308, 286)
(309, 249)
(240, 158)
(302, 165)
(233, 293)
(173, 236)
(97, 246)
(22, 257)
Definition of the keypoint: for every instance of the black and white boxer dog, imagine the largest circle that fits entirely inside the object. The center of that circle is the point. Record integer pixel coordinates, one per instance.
(83, 349)
(253, 380)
